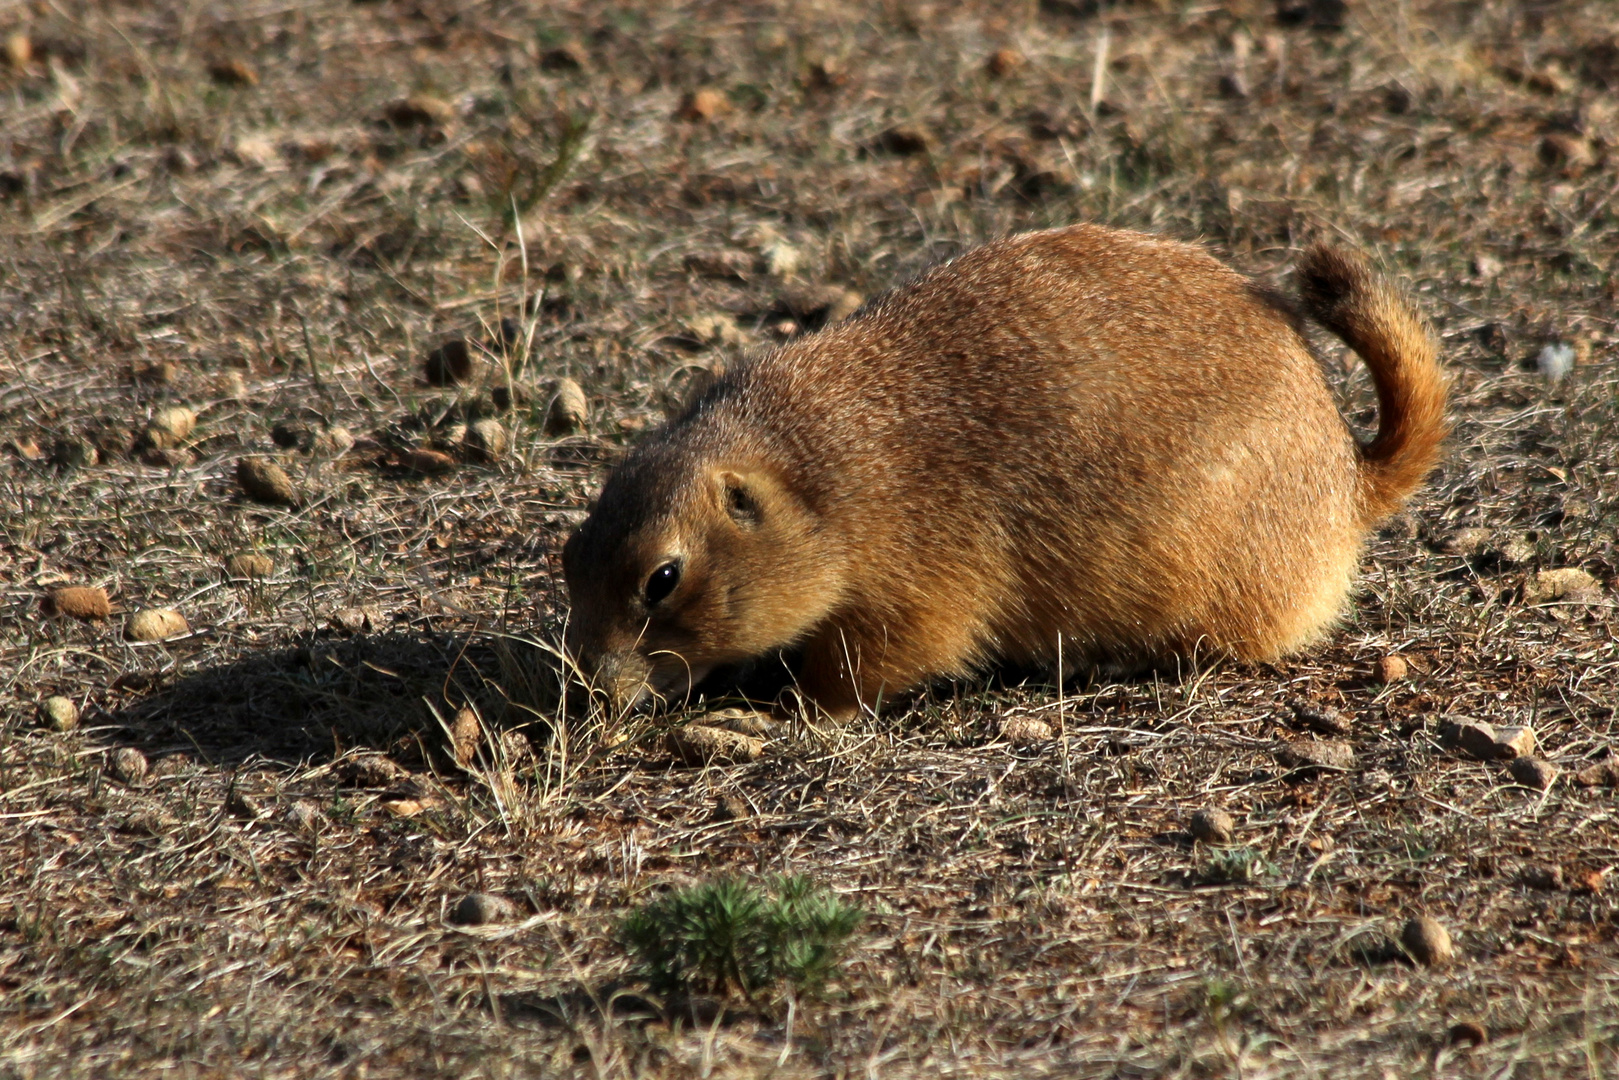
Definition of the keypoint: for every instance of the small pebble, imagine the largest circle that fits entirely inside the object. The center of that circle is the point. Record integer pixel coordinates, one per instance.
(59, 713)
(699, 744)
(128, 765)
(155, 624)
(702, 106)
(481, 909)
(265, 481)
(1533, 772)
(79, 602)
(1213, 827)
(1392, 668)
(1515, 741)
(1427, 942)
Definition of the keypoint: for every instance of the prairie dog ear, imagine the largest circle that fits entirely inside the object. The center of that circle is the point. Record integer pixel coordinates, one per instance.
(741, 497)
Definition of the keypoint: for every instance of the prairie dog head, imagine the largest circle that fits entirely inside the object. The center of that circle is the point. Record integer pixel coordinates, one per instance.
(690, 561)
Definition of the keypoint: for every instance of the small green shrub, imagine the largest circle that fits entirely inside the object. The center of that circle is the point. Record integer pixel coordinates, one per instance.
(733, 934)
(1235, 866)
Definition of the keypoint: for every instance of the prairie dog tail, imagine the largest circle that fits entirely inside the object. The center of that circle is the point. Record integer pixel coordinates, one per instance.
(1340, 291)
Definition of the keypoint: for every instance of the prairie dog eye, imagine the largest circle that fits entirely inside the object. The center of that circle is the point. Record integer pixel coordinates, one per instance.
(662, 583)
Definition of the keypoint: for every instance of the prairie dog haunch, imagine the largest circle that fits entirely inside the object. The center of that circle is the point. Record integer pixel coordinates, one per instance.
(1081, 433)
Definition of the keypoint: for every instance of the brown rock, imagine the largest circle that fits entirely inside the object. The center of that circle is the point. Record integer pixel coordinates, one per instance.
(1314, 754)
(1533, 772)
(249, 565)
(420, 110)
(1568, 585)
(465, 734)
(1025, 731)
(449, 364)
(233, 71)
(78, 602)
(334, 441)
(1602, 774)
(568, 412)
(699, 744)
(1002, 62)
(1392, 668)
(155, 624)
(59, 713)
(481, 909)
(1473, 737)
(1514, 742)
(128, 765)
(485, 440)
(702, 106)
(1322, 719)
(1427, 942)
(26, 448)
(266, 482)
(1213, 827)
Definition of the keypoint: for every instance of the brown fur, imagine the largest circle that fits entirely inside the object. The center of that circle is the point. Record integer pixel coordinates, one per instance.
(1083, 434)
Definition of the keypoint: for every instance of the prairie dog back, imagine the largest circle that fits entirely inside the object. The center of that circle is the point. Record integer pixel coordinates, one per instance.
(1084, 434)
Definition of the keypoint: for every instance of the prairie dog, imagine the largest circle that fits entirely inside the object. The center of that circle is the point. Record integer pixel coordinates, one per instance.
(1080, 434)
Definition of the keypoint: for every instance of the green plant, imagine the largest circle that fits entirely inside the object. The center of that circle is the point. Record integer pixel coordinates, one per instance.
(731, 933)
(1235, 866)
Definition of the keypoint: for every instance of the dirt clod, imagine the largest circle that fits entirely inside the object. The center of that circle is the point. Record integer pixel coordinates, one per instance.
(1025, 731)
(246, 564)
(1322, 719)
(426, 462)
(304, 816)
(699, 744)
(266, 482)
(1002, 62)
(1427, 942)
(128, 765)
(568, 412)
(1568, 585)
(1533, 772)
(1392, 668)
(79, 602)
(168, 428)
(1602, 774)
(486, 440)
(155, 624)
(464, 735)
(481, 909)
(59, 713)
(701, 106)
(1213, 827)
(1311, 755)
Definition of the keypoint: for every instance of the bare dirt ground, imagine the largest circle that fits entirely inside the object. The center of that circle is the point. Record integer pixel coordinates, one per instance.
(270, 212)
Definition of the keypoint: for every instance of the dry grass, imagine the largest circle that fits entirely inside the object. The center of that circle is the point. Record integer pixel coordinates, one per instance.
(217, 188)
